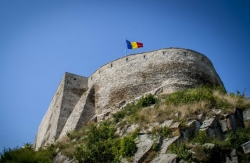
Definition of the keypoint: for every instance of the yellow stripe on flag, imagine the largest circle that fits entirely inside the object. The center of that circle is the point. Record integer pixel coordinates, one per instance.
(134, 45)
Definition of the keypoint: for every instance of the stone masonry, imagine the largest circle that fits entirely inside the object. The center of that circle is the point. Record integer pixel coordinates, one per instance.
(78, 98)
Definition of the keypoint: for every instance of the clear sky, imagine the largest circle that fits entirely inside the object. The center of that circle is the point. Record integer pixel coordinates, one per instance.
(42, 39)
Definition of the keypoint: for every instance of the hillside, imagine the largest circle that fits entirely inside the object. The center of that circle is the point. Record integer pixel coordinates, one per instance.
(203, 124)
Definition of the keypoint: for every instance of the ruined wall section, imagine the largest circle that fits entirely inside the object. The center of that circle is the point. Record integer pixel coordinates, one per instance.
(133, 75)
(68, 93)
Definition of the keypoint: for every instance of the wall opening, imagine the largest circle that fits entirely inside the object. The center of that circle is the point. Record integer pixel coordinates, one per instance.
(163, 53)
(111, 65)
(126, 59)
(74, 78)
(144, 57)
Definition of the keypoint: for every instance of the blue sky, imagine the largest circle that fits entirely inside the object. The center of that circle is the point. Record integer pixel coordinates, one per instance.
(42, 39)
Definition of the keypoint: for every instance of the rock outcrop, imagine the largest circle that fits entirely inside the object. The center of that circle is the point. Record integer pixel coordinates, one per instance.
(79, 99)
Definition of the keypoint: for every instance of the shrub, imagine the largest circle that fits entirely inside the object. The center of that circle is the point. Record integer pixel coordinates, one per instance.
(102, 145)
(235, 139)
(147, 101)
(201, 137)
(127, 146)
(181, 151)
(27, 155)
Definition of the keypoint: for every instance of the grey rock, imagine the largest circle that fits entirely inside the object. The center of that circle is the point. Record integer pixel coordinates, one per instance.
(246, 147)
(229, 124)
(223, 124)
(167, 142)
(208, 145)
(167, 123)
(233, 122)
(232, 159)
(200, 116)
(246, 118)
(132, 128)
(144, 145)
(193, 126)
(62, 159)
(175, 125)
(216, 111)
(233, 153)
(238, 115)
(165, 158)
(208, 123)
(214, 132)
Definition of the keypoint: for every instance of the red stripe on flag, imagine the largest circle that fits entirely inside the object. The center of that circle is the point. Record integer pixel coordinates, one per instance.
(139, 44)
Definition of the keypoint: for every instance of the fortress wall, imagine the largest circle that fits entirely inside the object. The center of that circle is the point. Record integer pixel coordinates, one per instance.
(51, 115)
(136, 74)
(75, 86)
(67, 95)
(83, 111)
(78, 98)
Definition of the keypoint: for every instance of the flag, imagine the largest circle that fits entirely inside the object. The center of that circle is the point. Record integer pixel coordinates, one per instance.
(134, 45)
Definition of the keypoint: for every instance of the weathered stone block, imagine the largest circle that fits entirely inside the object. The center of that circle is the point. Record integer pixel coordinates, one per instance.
(165, 158)
(211, 122)
(167, 123)
(233, 123)
(175, 129)
(144, 145)
(246, 118)
(246, 147)
(232, 159)
(223, 124)
(167, 142)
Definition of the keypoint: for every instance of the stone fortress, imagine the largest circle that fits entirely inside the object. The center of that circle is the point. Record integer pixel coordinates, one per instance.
(78, 99)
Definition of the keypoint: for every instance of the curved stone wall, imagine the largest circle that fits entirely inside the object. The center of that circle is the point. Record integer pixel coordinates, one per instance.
(79, 99)
(133, 75)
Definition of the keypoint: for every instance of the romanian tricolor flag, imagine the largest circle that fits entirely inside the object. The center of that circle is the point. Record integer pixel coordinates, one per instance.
(134, 45)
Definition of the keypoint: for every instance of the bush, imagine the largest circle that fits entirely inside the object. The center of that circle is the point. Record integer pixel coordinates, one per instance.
(201, 137)
(147, 101)
(181, 151)
(236, 139)
(127, 146)
(27, 155)
(102, 145)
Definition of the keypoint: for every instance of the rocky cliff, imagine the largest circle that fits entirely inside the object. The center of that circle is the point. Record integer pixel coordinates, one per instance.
(79, 99)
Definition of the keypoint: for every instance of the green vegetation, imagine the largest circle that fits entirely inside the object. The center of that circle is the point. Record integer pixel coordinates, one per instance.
(181, 151)
(27, 155)
(201, 137)
(128, 146)
(147, 101)
(102, 145)
(132, 109)
(201, 153)
(161, 131)
(98, 142)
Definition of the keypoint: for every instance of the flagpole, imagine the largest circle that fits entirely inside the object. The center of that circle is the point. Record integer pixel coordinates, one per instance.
(125, 46)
